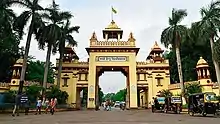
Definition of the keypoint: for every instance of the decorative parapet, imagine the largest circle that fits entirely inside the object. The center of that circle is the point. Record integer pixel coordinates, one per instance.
(151, 61)
(7, 86)
(177, 86)
(74, 63)
(174, 86)
(112, 44)
(4, 85)
(30, 83)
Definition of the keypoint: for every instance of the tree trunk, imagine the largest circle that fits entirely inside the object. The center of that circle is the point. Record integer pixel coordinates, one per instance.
(216, 64)
(60, 66)
(27, 47)
(179, 66)
(47, 64)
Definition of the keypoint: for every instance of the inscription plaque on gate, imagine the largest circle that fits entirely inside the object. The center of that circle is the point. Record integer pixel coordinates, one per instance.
(112, 58)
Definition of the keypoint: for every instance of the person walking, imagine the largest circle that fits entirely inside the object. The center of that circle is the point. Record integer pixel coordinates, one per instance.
(52, 106)
(152, 104)
(47, 105)
(38, 106)
(17, 105)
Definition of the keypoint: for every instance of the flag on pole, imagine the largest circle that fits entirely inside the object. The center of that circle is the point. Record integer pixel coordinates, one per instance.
(113, 10)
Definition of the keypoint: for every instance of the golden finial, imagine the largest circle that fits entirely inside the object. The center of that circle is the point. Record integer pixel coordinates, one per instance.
(156, 46)
(94, 35)
(131, 37)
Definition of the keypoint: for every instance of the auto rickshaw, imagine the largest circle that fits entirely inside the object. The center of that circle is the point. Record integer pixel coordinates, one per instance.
(173, 103)
(203, 103)
(159, 104)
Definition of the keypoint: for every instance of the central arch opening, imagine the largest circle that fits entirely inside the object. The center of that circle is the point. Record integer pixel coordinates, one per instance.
(113, 87)
(112, 84)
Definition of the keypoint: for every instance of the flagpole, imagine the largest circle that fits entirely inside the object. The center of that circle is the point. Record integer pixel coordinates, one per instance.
(112, 14)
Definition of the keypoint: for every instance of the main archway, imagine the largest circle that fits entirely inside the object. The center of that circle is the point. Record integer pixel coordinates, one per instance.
(144, 79)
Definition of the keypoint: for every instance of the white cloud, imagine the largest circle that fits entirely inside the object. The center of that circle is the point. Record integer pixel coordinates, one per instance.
(145, 18)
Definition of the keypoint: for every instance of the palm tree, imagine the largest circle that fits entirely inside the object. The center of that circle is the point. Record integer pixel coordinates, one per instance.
(174, 35)
(193, 88)
(51, 33)
(166, 93)
(65, 37)
(208, 29)
(32, 14)
(7, 16)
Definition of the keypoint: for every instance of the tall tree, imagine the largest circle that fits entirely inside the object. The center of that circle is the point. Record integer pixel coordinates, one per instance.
(9, 40)
(50, 34)
(174, 35)
(208, 29)
(66, 36)
(32, 14)
(7, 15)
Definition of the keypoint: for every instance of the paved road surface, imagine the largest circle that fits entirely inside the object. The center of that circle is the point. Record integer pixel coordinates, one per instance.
(108, 117)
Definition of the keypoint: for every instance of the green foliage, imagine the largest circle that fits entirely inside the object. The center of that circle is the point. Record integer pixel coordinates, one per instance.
(33, 92)
(55, 92)
(218, 97)
(101, 95)
(9, 41)
(190, 53)
(166, 93)
(119, 96)
(175, 33)
(191, 88)
(109, 96)
(35, 72)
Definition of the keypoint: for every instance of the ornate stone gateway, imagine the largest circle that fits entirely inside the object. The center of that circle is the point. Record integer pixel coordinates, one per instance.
(144, 79)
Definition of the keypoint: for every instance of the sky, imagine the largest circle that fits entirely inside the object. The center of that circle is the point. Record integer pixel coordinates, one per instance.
(146, 19)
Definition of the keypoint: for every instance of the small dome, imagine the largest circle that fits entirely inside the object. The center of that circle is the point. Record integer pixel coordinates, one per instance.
(112, 25)
(201, 61)
(19, 61)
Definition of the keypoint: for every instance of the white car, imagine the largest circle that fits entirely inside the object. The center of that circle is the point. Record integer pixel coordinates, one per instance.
(117, 104)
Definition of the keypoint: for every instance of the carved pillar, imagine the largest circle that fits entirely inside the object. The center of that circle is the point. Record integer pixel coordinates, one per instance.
(118, 37)
(97, 92)
(146, 98)
(150, 89)
(78, 99)
(128, 93)
(73, 86)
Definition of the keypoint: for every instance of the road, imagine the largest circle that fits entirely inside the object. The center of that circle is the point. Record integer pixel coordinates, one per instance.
(115, 116)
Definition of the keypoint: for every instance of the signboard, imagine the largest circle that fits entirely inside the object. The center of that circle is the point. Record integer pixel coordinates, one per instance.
(91, 89)
(112, 58)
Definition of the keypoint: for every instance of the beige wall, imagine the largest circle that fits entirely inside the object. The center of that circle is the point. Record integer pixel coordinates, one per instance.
(131, 63)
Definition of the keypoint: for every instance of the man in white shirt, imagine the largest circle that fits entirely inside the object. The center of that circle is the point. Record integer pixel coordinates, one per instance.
(152, 104)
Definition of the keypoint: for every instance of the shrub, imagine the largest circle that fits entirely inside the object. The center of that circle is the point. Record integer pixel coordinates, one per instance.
(33, 92)
(9, 96)
(55, 92)
(218, 97)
